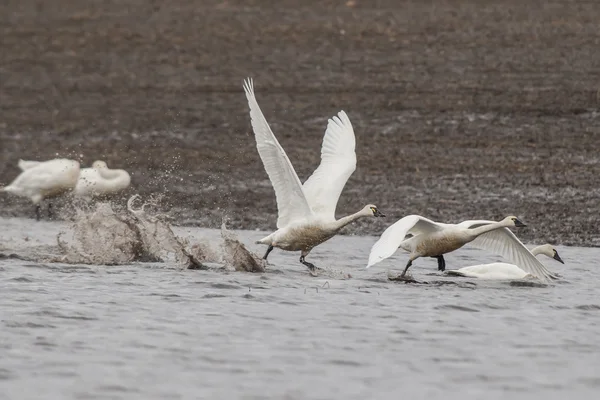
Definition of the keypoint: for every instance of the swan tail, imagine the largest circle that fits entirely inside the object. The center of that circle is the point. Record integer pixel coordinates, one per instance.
(266, 240)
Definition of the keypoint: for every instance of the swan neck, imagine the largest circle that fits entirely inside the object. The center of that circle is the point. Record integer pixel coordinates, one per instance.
(537, 250)
(348, 219)
(485, 229)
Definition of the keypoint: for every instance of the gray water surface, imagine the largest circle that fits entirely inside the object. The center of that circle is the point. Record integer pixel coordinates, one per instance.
(153, 331)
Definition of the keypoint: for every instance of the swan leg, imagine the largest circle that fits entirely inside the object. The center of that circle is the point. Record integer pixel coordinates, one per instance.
(37, 212)
(310, 266)
(441, 263)
(270, 249)
(50, 213)
(406, 269)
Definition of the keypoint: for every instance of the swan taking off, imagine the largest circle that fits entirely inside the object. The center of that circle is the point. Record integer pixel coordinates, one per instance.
(504, 270)
(307, 212)
(434, 239)
(44, 179)
(101, 180)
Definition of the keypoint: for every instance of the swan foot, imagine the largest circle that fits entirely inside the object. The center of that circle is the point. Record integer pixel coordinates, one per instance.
(441, 262)
(312, 267)
(315, 272)
(403, 278)
(406, 269)
(270, 249)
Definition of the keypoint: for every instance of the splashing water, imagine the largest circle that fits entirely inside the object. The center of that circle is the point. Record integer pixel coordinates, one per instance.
(237, 256)
(104, 236)
(101, 234)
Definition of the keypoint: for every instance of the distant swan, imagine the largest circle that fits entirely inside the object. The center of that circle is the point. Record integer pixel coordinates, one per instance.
(101, 180)
(307, 212)
(44, 179)
(504, 270)
(434, 239)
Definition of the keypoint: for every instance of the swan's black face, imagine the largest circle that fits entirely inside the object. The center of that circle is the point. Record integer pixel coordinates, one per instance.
(518, 223)
(376, 212)
(557, 257)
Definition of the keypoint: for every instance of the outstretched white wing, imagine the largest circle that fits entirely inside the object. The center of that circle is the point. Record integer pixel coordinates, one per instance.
(504, 243)
(291, 202)
(394, 235)
(338, 162)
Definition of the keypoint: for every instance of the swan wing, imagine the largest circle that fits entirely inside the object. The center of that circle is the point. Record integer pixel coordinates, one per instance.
(394, 235)
(338, 162)
(504, 243)
(291, 201)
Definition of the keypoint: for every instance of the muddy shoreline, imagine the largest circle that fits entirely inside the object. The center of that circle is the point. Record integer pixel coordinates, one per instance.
(461, 110)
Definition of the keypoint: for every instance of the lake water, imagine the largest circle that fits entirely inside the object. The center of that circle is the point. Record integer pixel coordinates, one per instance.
(154, 331)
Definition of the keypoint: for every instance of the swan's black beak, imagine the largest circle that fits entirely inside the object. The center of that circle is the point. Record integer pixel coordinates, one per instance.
(557, 257)
(378, 213)
(519, 223)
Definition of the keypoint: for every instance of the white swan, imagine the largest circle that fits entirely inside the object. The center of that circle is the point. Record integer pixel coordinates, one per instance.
(434, 239)
(504, 270)
(101, 180)
(306, 212)
(44, 179)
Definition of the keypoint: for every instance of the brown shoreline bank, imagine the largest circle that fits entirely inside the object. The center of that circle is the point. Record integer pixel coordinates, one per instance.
(462, 110)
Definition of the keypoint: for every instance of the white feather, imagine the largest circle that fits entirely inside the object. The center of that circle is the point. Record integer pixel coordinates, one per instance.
(394, 235)
(504, 243)
(338, 162)
(44, 179)
(101, 180)
(291, 201)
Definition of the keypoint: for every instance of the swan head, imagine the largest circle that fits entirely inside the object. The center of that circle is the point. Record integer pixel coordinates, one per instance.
(550, 251)
(514, 221)
(99, 164)
(371, 210)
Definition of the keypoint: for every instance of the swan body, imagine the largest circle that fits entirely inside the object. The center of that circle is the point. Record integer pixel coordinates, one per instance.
(504, 270)
(434, 239)
(101, 180)
(306, 212)
(490, 271)
(44, 179)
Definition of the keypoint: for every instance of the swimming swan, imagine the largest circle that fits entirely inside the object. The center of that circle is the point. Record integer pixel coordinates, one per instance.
(501, 270)
(306, 213)
(44, 179)
(100, 180)
(434, 239)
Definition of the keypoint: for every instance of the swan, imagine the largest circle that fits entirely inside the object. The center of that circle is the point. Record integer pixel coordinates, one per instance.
(101, 180)
(504, 270)
(306, 213)
(44, 179)
(434, 239)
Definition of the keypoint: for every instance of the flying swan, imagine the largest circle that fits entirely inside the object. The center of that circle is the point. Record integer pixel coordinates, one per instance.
(434, 239)
(44, 179)
(306, 213)
(501, 270)
(101, 180)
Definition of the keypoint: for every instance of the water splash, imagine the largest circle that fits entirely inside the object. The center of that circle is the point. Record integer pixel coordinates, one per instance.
(237, 256)
(107, 237)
